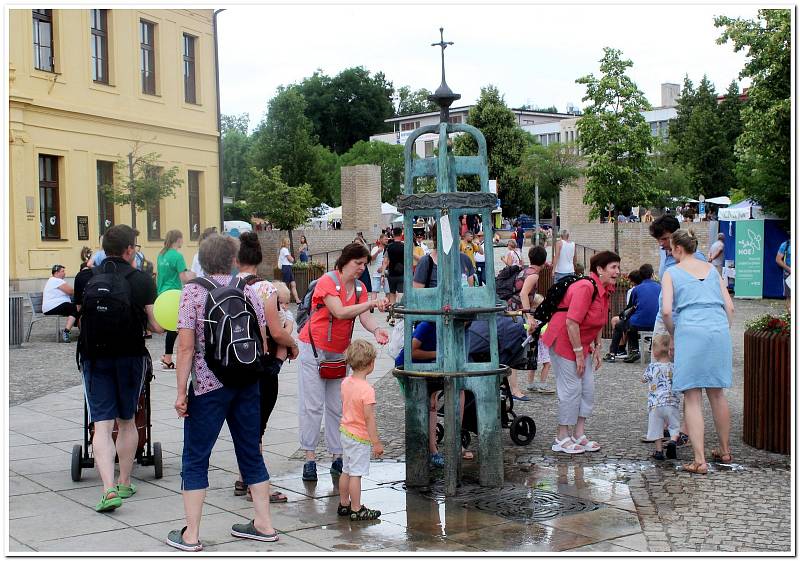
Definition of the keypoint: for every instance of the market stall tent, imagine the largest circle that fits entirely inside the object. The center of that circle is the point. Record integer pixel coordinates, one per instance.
(748, 218)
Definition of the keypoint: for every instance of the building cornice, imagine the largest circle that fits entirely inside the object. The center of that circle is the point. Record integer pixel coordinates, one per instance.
(101, 117)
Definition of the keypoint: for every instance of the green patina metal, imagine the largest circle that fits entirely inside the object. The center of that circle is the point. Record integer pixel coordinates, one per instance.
(450, 305)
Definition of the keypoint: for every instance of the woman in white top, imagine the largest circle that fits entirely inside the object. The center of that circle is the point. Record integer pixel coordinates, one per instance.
(57, 301)
(480, 260)
(376, 266)
(285, 261)
(512, 257)
(564, 257)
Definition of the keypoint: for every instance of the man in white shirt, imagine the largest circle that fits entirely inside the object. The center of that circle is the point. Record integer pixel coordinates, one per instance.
(57, 301)
(716, 254)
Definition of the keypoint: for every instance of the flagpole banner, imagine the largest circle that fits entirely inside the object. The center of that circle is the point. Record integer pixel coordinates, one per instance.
(749, 258)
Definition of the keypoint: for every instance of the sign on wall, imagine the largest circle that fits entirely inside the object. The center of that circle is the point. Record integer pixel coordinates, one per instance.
(749, 258)
(83, 227)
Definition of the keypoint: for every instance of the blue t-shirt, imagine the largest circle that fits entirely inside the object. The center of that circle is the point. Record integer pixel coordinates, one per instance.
(425, 333)
(99, 257)
(645, 297)
(786, 250)
(667, 260)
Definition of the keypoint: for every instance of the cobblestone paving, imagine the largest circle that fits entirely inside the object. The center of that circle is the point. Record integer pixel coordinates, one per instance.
(744, 509)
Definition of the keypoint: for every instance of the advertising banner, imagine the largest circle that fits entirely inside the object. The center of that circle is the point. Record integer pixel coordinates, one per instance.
(749, 258)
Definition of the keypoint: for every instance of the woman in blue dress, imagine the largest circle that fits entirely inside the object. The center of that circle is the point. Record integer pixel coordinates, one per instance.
(697, 311)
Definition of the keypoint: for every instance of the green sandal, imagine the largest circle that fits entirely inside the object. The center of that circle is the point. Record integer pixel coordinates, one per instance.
(126, 491)
(107, 503)
(365, 514)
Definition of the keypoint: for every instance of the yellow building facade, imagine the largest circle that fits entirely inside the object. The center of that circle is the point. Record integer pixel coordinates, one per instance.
(86, 88)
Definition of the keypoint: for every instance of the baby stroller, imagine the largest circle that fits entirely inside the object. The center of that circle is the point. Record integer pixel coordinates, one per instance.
(148, 453)
(522, 428)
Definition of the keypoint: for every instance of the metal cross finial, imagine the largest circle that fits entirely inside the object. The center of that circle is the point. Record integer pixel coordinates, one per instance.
(443, 44)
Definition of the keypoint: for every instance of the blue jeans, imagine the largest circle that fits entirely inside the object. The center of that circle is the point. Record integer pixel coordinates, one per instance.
(242, 410)
(112, 386)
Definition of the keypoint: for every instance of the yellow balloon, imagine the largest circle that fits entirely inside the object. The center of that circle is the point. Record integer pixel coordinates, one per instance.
(165, 309)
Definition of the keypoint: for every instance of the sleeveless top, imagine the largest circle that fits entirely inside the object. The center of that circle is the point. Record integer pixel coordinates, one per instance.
(564, 264)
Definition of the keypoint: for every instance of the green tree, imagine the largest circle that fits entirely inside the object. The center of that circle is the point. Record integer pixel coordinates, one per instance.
(686, 102)
(329, 167)
(410, 102)
(240, 123)
(285, 138)
(388, 156)
(348, 107)
(141, 182)
(550, 109)
(505, 144)
(670, 179)
(266, 188)
(553, 167)
(730, 114)
(764, 147)
(702, 147)
(235, 166)
(615, 139)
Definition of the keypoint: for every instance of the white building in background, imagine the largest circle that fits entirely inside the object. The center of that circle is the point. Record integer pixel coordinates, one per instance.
(545, 127)
(425, 144)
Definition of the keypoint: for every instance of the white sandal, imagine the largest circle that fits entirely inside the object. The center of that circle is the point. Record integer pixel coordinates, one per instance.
(568, 446)
(588, 445)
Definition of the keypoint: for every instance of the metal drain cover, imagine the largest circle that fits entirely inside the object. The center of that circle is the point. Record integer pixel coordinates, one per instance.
(519, 504)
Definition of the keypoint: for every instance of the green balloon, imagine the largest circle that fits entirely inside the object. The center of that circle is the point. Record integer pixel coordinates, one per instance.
(165, 309)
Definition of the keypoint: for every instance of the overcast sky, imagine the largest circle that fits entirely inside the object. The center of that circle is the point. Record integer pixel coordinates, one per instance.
(532, 53)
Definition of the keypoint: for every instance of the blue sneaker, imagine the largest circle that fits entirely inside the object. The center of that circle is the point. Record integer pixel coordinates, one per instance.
(437, 460)
(336, 467)
(310, 471)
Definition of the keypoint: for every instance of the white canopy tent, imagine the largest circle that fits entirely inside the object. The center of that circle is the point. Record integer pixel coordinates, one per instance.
(719, 200)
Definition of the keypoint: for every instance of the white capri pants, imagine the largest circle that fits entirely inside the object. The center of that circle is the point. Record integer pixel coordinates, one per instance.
(315, 396)
(575, 395)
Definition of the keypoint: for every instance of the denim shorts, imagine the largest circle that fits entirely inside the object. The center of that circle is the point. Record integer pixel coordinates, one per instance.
(112, 386)
(241, 408)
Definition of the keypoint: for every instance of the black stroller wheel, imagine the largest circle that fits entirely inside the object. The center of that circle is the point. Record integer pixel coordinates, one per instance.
(77, 456)
(523, 429)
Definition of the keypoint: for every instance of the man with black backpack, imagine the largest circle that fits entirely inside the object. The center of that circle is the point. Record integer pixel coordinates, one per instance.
(116, 307)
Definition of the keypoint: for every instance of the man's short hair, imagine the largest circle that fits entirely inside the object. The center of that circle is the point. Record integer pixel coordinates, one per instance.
(721, 236)
(646, 271)
(662, 224)
(397, 232)
(117, 239)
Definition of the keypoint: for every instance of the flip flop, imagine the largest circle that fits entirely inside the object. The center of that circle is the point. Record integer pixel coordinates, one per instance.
(694, 467)
(278, 497)
(468, 455)
(167, 365)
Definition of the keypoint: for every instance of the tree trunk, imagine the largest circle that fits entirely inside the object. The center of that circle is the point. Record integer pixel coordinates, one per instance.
(291, 242)
(616, 237)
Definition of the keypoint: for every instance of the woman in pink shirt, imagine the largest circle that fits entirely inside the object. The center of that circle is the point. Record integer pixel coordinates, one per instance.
(574, 341)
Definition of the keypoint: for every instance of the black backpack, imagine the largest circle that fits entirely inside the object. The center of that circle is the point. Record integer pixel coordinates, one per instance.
(505, 282)
(545, 311)
(233, 347)
(110, 326)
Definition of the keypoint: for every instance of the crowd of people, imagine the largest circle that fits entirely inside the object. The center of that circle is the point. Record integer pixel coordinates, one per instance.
(686, 310)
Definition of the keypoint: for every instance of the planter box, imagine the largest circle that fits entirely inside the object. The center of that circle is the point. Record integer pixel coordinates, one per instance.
(767, 391)
(303, 276)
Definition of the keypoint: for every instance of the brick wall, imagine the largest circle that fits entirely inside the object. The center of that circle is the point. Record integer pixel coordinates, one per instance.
(319, 242)
(361, 199)
(635, 243)
(571, 208)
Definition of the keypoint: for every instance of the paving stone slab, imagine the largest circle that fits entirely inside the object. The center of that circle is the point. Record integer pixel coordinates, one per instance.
(113, 541)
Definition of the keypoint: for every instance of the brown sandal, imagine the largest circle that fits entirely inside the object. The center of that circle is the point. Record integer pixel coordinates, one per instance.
(721, 458)
(694, 467)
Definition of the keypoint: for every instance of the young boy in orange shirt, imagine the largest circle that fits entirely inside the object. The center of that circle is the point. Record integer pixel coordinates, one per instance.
(359, 431)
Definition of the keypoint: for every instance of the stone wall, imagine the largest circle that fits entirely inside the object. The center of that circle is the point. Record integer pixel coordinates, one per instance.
(571, 208)
(635, 243)
(361, 199)
(320, 242)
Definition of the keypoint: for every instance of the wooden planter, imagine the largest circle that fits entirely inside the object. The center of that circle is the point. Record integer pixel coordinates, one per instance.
(767, 391)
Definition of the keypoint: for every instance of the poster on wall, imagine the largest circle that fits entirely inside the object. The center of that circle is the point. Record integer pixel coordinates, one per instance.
(749, 259)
